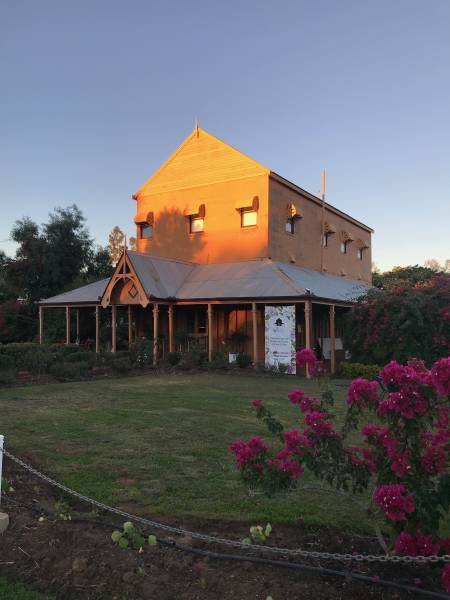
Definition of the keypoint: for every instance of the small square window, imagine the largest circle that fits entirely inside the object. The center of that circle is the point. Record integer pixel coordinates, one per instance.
(196, 224)
(146, 231)
(290, 225)
(248, 218)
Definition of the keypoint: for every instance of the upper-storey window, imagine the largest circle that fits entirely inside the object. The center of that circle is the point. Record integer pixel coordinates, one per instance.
(249, 217)
(360, 253)
(196, 224)
(145, 231)
(144, 221)
(290, 225)
(328, 230)
(346, 240)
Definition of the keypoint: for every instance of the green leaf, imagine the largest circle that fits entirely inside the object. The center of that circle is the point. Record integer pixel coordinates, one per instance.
(123, 542)
(128, 527)
(268, 530)
(246, 541)
(152, 541)
(116, 535)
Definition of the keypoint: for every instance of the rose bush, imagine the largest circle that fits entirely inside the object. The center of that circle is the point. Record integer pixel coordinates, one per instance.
(402, 457)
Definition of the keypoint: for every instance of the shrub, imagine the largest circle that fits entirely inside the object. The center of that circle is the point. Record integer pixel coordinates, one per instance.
(219, 361)
(121, 365)
(401, 323)
(81, 356)
(353, 370)
(402, 457)
(17, 351)
(243, 360)
(36, 360)
(7, 377)
(6, 363)
(67, 371)
(173, 358)
(141, 353)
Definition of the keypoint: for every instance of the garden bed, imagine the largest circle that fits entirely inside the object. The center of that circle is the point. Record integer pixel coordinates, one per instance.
(74, 559)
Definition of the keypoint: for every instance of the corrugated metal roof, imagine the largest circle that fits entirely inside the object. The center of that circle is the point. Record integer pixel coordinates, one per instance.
(90, 293)
(164, 278)
(160, 277)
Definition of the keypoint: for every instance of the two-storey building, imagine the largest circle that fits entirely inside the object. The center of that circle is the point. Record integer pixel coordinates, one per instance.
(219, 237)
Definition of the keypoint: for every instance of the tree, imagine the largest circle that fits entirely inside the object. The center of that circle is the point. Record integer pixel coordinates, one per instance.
(115, 244)
(400, 276)
(50, 259)
(132, 242)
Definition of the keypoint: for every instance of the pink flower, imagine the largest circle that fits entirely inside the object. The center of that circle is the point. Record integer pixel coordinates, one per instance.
(362, 392)
(246, 452)
(405, 544)
(440, 376)
(395, 502)
(257, 403)
(319, 425)
(446, 577)
(296, 396)
(306, 357)
(287, 465)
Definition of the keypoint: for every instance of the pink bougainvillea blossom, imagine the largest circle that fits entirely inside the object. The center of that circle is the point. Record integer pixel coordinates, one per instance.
(245, 452)
(257, 403)
(440, 376)
(416, 544)
(395, 501)
(362, 392)
(306, 357)
(296, 396)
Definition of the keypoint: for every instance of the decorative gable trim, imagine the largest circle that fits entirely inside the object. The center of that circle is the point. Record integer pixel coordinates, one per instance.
(124, 282)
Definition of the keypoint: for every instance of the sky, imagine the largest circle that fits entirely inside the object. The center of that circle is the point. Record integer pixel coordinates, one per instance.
(95, 95)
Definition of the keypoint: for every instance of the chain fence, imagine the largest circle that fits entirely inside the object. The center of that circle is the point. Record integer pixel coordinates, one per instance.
(210, 539)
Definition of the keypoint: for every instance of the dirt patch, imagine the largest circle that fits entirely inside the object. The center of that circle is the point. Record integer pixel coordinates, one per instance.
(75, 559)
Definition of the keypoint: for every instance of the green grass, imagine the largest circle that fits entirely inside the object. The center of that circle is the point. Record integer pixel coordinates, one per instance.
(16, 591)
(159, 444)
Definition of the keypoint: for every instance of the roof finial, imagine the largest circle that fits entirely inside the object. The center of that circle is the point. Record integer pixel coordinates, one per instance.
(197, 127)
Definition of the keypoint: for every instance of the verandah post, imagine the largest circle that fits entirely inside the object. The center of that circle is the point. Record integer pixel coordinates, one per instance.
(41, 325)
(255, 334)
(113, 328)
(308, 325)
(210, 332)
(170, 313)
(155, 332)
(332, 341)
(97, 329)
(67, 325)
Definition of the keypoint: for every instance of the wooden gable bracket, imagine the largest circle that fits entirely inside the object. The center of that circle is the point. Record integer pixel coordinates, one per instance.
(123, 274)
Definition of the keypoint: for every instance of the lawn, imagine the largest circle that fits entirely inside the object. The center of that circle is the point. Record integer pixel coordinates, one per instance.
(158, 444)
(16, 591)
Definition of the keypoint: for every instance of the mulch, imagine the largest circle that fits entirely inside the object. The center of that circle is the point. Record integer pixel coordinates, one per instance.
(76, 559)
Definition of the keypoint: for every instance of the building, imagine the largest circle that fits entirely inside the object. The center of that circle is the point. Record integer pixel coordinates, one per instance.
(220, 237)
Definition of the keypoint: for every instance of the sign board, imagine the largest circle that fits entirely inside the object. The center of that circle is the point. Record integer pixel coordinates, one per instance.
(280, 337)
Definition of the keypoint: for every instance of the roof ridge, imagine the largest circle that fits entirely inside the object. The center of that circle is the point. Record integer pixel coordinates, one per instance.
(286, 278)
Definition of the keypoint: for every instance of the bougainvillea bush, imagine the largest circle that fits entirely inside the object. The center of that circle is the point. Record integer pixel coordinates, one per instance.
(402, 322)
(401, 422)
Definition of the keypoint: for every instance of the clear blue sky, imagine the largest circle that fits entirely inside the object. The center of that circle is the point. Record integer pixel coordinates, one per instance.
(96, 94)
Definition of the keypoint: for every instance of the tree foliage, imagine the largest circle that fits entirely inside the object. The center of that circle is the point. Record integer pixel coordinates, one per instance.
(50, 259)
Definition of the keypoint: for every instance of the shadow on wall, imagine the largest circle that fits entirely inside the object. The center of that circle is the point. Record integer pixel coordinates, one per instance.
(172, 239)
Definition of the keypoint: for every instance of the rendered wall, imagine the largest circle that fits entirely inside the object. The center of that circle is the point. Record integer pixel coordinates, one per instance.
(303, 247)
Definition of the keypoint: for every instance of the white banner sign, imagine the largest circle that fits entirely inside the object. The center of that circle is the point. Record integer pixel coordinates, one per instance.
(280, 337)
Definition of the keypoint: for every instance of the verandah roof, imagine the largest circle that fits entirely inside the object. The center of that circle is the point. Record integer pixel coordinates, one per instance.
(166, 279)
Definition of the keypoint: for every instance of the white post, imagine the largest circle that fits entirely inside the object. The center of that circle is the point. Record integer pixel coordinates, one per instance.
(4, 518)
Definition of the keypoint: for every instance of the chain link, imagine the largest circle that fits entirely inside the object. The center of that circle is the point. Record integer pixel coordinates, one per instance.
(383, 558)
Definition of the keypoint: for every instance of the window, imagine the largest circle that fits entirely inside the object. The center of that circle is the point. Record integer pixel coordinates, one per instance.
(360, 253)
(325, 238)
(290, 225)
(344, 246)
(196, 224)
(248, 218)
(146, 231)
